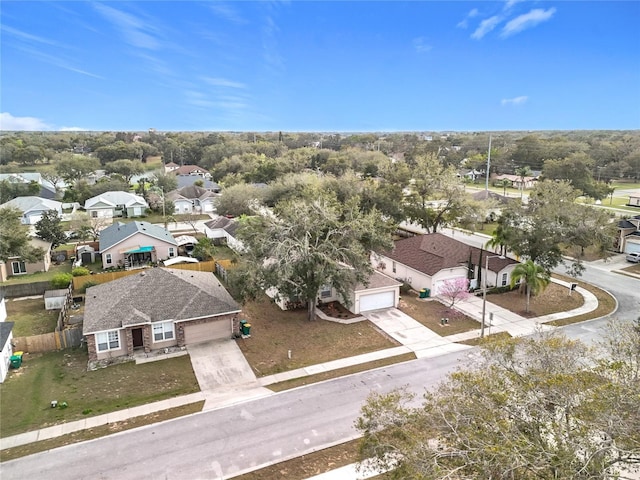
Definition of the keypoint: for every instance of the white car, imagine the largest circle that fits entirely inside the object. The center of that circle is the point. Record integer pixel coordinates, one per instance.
(633, 257)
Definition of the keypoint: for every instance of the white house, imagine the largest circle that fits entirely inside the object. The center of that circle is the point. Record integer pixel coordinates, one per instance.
(222, 230)
(116, 204)
(33, 208)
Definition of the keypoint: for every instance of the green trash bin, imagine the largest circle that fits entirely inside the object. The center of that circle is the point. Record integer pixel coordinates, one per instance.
(16, 361)
(246, 328)
(427, 292)
(423, 293)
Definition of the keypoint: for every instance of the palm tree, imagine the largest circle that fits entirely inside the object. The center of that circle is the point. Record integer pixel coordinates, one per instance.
(498, 239)
(533, 278)
(522, 172)
(504, 183)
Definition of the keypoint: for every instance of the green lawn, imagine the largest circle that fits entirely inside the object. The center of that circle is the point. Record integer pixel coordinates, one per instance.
(30, 317)
(26, 394)
(40, 276)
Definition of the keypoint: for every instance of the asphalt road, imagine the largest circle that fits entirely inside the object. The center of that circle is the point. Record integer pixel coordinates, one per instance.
(220, 443)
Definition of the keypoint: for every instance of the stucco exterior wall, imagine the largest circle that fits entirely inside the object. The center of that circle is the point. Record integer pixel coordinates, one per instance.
(161, 249)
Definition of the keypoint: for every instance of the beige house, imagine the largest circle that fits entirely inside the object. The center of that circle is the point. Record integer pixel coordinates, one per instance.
(17, 266)
(155, 309)
(135, 245)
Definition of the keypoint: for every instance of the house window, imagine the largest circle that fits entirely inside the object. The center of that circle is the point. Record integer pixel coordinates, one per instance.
(162, 331)
(107, 259)
(325, 291)
(94, 214)
(172, 252)
(393, 267)
(108, 341)
(18, 267)
(504, 279)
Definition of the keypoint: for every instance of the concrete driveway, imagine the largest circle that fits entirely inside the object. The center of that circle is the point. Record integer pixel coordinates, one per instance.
(224, 376)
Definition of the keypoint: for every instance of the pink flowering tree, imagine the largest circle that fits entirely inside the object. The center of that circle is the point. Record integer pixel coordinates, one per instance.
(454, 291)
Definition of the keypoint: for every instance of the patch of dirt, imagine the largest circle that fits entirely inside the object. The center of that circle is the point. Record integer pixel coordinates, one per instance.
(555, 298)
(336, 310)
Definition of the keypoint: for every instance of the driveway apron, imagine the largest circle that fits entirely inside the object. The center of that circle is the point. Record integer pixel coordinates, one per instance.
(220, 364)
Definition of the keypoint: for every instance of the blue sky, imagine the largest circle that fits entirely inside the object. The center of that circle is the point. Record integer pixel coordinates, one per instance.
(320, 66)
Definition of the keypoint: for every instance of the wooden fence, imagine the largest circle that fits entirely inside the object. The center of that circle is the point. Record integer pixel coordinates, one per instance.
(47, 342)
(104, 277)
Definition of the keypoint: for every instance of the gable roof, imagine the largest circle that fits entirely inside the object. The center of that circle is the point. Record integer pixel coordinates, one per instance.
(28, 204)
(155, 295)
(188, 169)
(116, 198)
(229, 225)
(190, 192)
(186, 180)
(377, 280)
(119, 231)
(434, 252)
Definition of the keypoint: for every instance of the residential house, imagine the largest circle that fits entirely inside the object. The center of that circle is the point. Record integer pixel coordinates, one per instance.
(380, 291)
(135, 245)
(628, 237)
(428, 261)
(47, 190)
(222, 230)
(156, 309)
(191, 170)
(188, 180)
(6, 344)
(33, 208)
(521, 183)
(170, 167)
(192, 199)
(17, 266)
(634, 200)
(116, 204)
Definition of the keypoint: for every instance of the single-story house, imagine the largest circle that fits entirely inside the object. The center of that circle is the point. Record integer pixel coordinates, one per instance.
(33, 208)
(192, 170)
(188, 180)
(17, 266)
(517, 181)
(381, 291)
(628, 237)
(156, 309)
(47, 190)
(135, 244)
(116, 204)
(222, 230)
(170, 167)
(428, 261)
(634, 200)
(6, 339)
(192, 199)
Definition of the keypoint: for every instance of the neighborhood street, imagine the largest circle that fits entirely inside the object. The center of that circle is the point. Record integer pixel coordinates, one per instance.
(221, 443)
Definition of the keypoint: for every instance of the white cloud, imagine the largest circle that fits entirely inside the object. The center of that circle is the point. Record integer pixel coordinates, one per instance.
(29, 37)
(420, 45)
(527, 20)
(226, 12)
(132, 28)
(464, 23)
(486, 26)
(73, 129)
(223, 82)
(510, 3)
(514, 101)
(9, 123)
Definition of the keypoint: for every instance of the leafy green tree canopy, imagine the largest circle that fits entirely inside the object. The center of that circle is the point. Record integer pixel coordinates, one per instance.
(49, 228)
(14, 237)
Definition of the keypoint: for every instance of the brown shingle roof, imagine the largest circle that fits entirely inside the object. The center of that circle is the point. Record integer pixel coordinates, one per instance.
(433, 252)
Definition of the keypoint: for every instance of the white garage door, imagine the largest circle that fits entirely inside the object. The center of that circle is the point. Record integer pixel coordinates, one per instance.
(440, 283)
(204, 332)
(375, 301)
(631, 247)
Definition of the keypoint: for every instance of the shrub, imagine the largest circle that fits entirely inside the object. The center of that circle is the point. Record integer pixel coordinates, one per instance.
(86, 285)
(80, 271)
(61, 280)
(405, 288)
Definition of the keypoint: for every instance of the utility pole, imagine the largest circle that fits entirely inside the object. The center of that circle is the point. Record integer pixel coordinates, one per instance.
(486, 174)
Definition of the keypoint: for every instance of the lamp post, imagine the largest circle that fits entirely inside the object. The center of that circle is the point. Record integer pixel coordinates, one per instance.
(484, 289)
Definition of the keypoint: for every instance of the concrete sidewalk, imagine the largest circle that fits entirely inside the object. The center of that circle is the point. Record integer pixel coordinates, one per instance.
(412, 336)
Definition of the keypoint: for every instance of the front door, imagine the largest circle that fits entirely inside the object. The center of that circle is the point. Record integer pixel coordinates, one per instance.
(136, 333)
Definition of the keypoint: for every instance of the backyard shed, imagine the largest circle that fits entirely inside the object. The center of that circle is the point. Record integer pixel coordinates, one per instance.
(54, 299)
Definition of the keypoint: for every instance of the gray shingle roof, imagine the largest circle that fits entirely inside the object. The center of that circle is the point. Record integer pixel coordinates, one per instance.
(155, 295)
(117, 232)
(229, 225)
(29, 203)
(5, 330)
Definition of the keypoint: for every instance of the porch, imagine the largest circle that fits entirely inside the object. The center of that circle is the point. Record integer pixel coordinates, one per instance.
(139, 257)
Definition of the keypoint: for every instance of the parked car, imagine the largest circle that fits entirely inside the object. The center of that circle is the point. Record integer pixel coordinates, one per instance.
(633, 257)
